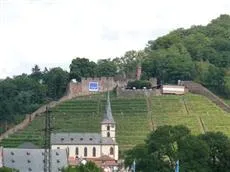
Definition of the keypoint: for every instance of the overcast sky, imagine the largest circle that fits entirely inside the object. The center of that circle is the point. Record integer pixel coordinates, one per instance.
(52, 32)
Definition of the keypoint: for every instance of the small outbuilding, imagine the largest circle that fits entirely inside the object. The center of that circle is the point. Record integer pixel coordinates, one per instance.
(173, 89)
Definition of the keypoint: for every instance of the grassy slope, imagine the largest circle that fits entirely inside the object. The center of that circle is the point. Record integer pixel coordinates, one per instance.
(134, 117)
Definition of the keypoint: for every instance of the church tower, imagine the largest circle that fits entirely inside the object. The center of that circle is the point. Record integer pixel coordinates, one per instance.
(108, 128)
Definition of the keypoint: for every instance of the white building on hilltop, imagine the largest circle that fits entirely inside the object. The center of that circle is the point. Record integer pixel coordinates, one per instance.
(101, 148)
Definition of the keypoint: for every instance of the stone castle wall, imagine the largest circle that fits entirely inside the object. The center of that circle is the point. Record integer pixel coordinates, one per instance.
(82, 88)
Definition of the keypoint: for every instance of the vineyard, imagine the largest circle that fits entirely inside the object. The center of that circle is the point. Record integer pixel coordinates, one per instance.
(135, 118)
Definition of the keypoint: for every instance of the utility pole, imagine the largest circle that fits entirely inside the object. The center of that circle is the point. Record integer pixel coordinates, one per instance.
(47, 147)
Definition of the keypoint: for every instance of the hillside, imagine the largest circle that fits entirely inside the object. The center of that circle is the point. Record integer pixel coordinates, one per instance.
(134, 117)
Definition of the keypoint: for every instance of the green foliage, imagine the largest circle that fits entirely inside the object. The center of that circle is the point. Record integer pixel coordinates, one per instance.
(181, 54)
(19, 96)
(88, 167)
(56, 81)
(169, 64)
(139, 84)
(128, 63)
(106, 68)
(82, 67)
(219, 150)
(6, 169)
(205, 153)
(23, 94)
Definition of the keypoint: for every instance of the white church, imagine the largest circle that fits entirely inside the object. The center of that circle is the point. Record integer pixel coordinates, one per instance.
(101, 148)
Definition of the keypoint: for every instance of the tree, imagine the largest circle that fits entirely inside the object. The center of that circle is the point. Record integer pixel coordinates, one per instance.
(82, 67)
(106, 67)
(219, 151)
(88, 167)
(193, 154)
(127, 64)
(6, 169)
(36, 73)
(56, 80)
(167, 144)
(169, 65)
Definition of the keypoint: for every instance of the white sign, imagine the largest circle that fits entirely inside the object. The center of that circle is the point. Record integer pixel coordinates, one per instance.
(93, 86)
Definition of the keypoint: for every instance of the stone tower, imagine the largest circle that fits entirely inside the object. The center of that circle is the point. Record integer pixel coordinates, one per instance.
(108, 127)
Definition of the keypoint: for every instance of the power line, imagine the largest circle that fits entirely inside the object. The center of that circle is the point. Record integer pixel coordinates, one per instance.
(47, 146)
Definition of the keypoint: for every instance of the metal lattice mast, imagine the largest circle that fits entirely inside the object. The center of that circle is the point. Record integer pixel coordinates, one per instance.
(47, 147)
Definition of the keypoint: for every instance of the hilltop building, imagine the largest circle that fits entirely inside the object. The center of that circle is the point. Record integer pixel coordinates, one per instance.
(101, 148)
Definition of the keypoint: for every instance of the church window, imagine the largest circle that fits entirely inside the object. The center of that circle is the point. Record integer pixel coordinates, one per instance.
(108, 134)
(111, 151)
(81, 139)
(90, 139)
(85, 151)
(94, 151)
(76, 151)
(108, 127)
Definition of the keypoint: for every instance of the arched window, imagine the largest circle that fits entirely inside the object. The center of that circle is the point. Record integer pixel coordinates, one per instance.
(108, 127)
(111, 151)
(76, 151)
(94, 151)
(85, 151)
(108, 134)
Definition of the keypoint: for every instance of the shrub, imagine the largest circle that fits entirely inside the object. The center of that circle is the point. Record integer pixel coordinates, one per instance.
(139, 84)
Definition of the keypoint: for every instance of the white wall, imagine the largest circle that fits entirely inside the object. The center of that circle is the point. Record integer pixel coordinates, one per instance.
(100, 150)
(112, 130)
(106, 151)
(72, 150)
(173, 89)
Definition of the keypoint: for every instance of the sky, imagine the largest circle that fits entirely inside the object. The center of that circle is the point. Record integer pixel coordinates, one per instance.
(50, 33)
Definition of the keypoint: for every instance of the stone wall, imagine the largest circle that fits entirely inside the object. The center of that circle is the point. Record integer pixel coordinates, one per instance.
(82, 88)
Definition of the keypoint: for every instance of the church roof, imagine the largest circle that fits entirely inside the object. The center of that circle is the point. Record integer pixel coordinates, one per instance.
(27, 160)
(108, 117)
(80, 139)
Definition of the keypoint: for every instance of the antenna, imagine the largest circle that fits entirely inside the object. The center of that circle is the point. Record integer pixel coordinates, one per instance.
(47, 155)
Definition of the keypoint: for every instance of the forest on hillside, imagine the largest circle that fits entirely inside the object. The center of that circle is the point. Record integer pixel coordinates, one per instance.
(200, 53)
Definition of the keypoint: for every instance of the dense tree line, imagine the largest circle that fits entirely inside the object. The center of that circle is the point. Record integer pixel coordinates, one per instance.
(209, 152)
(23, 94)
(200, 53)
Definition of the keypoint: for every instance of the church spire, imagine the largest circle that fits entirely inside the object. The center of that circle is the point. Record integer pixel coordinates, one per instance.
(108, 117)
